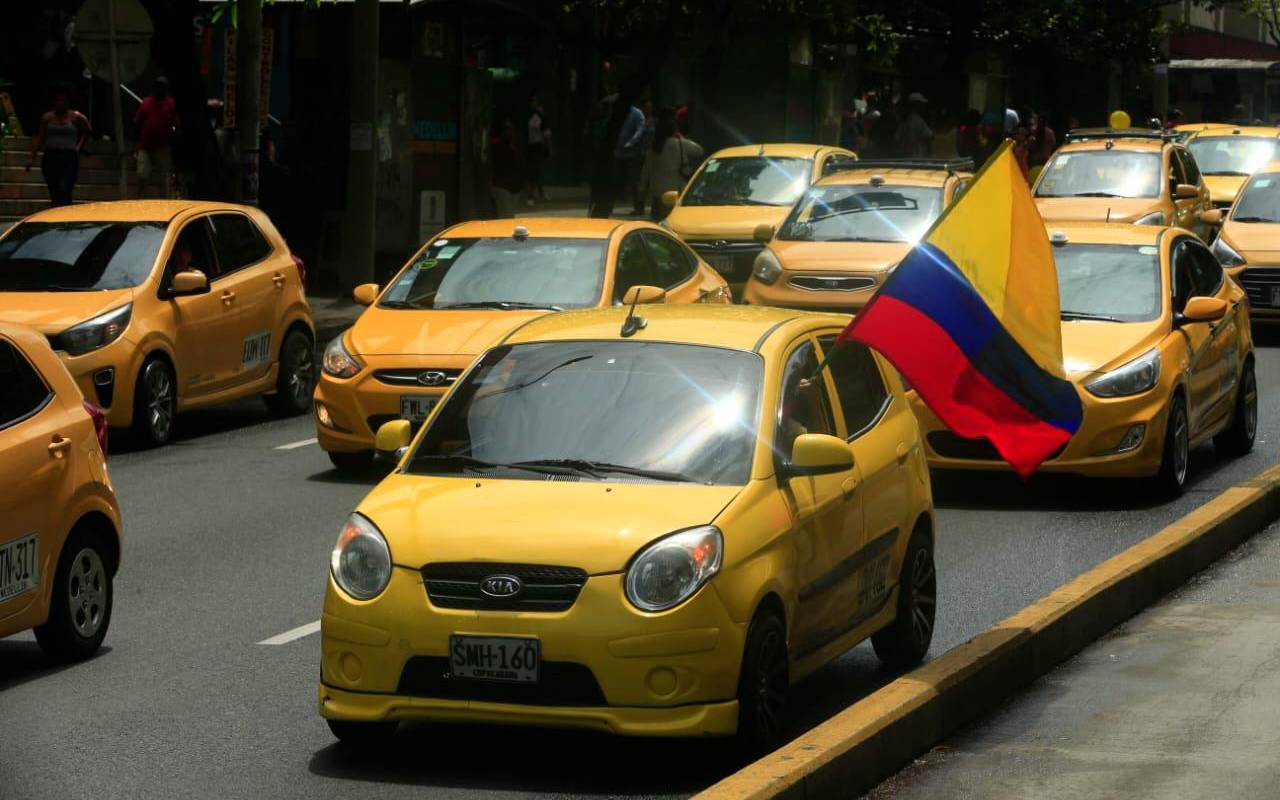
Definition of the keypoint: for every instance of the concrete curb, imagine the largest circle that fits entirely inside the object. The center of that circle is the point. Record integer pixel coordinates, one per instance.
(855, 750)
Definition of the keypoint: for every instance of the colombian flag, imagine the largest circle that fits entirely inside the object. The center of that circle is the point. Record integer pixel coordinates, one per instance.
(971, 318)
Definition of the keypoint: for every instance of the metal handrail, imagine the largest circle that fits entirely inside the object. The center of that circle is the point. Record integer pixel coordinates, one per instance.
(138, 100)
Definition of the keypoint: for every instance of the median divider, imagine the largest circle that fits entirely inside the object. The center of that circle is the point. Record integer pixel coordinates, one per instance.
(872, 739)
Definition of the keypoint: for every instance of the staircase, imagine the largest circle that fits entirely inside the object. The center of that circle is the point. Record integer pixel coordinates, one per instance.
(23, 192)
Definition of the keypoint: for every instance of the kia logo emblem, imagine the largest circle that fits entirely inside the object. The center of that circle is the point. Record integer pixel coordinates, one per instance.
(432, 378)
(501, 586)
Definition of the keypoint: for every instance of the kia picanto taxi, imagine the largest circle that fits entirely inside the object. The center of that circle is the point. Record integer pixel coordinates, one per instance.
(160, 306)
(1156, 339)
(59, 519)
(1181, 133)
(849, 230)
(737, 190)
(1228, 156)
(466, 289)
(644, 526)
(1137, 176)
(1248, 245)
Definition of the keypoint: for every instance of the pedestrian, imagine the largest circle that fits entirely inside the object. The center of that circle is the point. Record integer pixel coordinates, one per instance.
(970, 142)
(669, 162)
(153, 126)
(1043, 139)
(538, 149)
(61, 134)
(915, 138)
(634, 158)
(1011, 121)
(506, 171)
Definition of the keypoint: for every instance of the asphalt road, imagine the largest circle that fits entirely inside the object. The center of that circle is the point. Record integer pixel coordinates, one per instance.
(227, 542)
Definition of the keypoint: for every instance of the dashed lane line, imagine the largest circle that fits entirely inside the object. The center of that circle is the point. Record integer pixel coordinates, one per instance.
(293, 635)
(296, 445)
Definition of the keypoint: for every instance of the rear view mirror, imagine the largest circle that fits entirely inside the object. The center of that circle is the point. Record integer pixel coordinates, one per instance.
(1211, 217)
(1203, 309)
(643, 295)
(393, 439)
(365, 293)
(817, 454)
(1185, 191)
(763, 232)
(670, 198)
(188, 282)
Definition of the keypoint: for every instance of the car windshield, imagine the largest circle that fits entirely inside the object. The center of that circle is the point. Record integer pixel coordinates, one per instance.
(1108, 282)
(78, 256)
(600, 410)
(1232, 155)
(1101, 173)
(863, 214)
(749, 181)
(1259, 201)
(503, 273)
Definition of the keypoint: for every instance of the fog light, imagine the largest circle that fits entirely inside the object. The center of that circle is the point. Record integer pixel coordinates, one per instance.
(352, 669)
(104, 385)
(322, 414)
(662, 681)
(1131, 440)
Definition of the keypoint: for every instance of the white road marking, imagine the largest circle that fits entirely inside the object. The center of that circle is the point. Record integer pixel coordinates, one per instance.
(296, 445)
(296, 633)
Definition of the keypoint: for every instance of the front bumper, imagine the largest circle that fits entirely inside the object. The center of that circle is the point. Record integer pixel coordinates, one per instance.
(782, 294)
(106, 377)
(668, 674)
(1262, 286)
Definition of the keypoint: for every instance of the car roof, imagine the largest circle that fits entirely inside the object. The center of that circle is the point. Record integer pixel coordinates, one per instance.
(129, 211)
(1107, 232)
(1120, 142)
(777, 150)
(570, 227)
(896, 175)
(1227, 131)
(1200, 126)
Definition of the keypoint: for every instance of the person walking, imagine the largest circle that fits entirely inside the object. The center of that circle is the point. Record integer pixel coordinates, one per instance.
(59, 137)
(668, 163)
(915, 138)
(506, 171)
(153, 126)
(1043, 140)
(538, 149)
(628, 155)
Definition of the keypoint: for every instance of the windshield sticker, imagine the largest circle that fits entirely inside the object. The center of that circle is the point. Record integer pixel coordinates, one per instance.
(712, 166)
(441, 243)
(1061, 161)
(447, 253)
(1262, 183)
(1148, 250)
(426, 263)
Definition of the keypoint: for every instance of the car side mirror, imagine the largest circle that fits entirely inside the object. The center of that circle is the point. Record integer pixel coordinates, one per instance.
(764, 232)
(1202, 309)
(817, 454)
(365, 293)
(188, 282)
(670, 198)
(1211, 217)
(1185, 191)
(392, 440)
(644, 295)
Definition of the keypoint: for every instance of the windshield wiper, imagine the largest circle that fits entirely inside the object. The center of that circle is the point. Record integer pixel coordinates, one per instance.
(399, 304)
(1089, 194)
(595, 468)
(1254, 219)
(1084, 315)
(471, 462)
(504, 305)
(1229, 173)
(859, 239)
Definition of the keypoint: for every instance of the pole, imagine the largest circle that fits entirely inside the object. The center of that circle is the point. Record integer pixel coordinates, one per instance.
(359, 237)
(117, 112)
(248, 85)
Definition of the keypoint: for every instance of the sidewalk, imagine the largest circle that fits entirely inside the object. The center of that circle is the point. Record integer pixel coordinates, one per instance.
(1181, 701)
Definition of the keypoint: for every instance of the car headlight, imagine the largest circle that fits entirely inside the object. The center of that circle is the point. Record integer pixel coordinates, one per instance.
(766, 268)
(1226, 254)
(100, 331)
(1154, 218)
(361, 560)
(1138, 376)
(669, 571)
(338, 362)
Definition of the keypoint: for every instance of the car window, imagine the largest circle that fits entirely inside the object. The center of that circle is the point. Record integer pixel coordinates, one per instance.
(635, 266)
(863, 213)
(1232, 155)
(1175, 171)
(238, 241)
(22, 390)
(1189, 166)
(749, 181)
(1206, 272)
(804, 408)
(858, 382)
(1101, 173)
(1259, 200)
(1117, 281)
(192, 250)
(674, 264)
(1182, 283)
(78, 256)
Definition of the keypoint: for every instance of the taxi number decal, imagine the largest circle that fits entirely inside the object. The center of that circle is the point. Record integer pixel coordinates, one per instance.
(874, 584)
(18, 566)
(257, 349)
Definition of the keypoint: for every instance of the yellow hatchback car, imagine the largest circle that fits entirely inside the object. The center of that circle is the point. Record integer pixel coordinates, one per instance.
(1248, 245)
(649, 527)
(159, 306)
(59, 519)
(466, 289)
(849, 230)
(1228, 156)
(1156, 339)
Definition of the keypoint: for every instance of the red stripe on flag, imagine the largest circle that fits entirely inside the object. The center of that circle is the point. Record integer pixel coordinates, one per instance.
(961, 396)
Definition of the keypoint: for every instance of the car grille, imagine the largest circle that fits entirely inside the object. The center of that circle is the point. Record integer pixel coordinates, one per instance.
(949, 445)
(733, 260)
(1258, 282)
(560, 683)
(415, 376)
(833, 283)
(545, 588)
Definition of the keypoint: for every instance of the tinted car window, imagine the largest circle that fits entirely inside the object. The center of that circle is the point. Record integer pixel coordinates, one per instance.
(22, 391)
(238, 241)
(78, 256)
(1259, 201)
(859, 384)
(1206, 272)
(635, 266)
(1183, 288)
(805, 408)
(1189, 167)
(674, 264)
(191, 250)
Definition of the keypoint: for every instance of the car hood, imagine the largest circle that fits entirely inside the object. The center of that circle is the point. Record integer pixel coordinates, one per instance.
(1095, 209)
(1089, 348)
(839, 256)
(1258, 242)
(394, 332)
(1223, 188)
(54, 312)
(723, 222)
(595, 526)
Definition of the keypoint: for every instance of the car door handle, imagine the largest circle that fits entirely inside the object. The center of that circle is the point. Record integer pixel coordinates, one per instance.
(278, 279)
(59, 445)
(228, 297)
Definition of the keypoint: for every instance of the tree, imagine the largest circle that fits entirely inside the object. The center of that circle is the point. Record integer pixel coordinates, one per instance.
(1266, 10)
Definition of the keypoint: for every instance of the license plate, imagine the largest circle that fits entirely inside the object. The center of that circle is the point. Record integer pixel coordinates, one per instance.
(416, 407)
(19, 567)
(1275, 296)
(495, 658)
(721, 264)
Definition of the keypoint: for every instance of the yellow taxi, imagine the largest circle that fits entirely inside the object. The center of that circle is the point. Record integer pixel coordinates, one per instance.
(466, 289)
(643, 526)
(1137, 176)
(740, 188)
(1248, 244)
(1181, 133)
(1228, 156)
(1156, 340)
(849, 230)
(159, 306)
(59, 519)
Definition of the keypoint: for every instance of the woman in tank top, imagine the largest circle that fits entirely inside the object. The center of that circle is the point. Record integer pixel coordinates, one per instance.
(62, 132)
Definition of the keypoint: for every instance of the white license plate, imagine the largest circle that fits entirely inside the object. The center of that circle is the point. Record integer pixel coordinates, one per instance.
(721, 264)
(495, 658)
(416, 407)
(1275, 296)
(19, 566)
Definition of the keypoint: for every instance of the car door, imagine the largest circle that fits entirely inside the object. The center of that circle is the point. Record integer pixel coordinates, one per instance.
(1191, 174)
(826, 509)
(35, 471)
(1184, 211)
(1203, 371)
(675, 268)
(204, 325)
(254, 281)
(633, 266)
(1208, 280)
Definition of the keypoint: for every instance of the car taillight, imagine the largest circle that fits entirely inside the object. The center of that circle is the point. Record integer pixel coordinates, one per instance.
(302, 269)
(99, 418)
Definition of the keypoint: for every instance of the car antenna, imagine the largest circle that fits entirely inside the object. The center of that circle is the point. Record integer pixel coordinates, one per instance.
(1108, 213)
(633, 324)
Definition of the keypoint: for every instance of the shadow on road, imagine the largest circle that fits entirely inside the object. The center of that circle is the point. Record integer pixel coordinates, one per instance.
(22, 661)
(192, 425)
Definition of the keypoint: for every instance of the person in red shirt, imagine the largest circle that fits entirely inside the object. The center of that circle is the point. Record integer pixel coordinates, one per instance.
(153, 126)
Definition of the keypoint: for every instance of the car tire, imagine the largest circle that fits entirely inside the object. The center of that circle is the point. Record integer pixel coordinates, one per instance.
(362, 735)
(762, 685)
(1172, 477)
(80, 606)
(905, 641)
(155, 404)
(296, 378)
(358, 463)
(1238, 438)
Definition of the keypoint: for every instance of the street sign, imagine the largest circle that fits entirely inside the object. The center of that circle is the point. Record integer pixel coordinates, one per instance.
(133, 30)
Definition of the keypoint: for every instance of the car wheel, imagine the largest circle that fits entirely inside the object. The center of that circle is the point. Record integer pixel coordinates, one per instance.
(905, 642)
(1172, 477)
(296, 379)
(80, 606)
(358, 463)
(155, 404)
(362, 735)
(1238, 439)
(762, 686)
